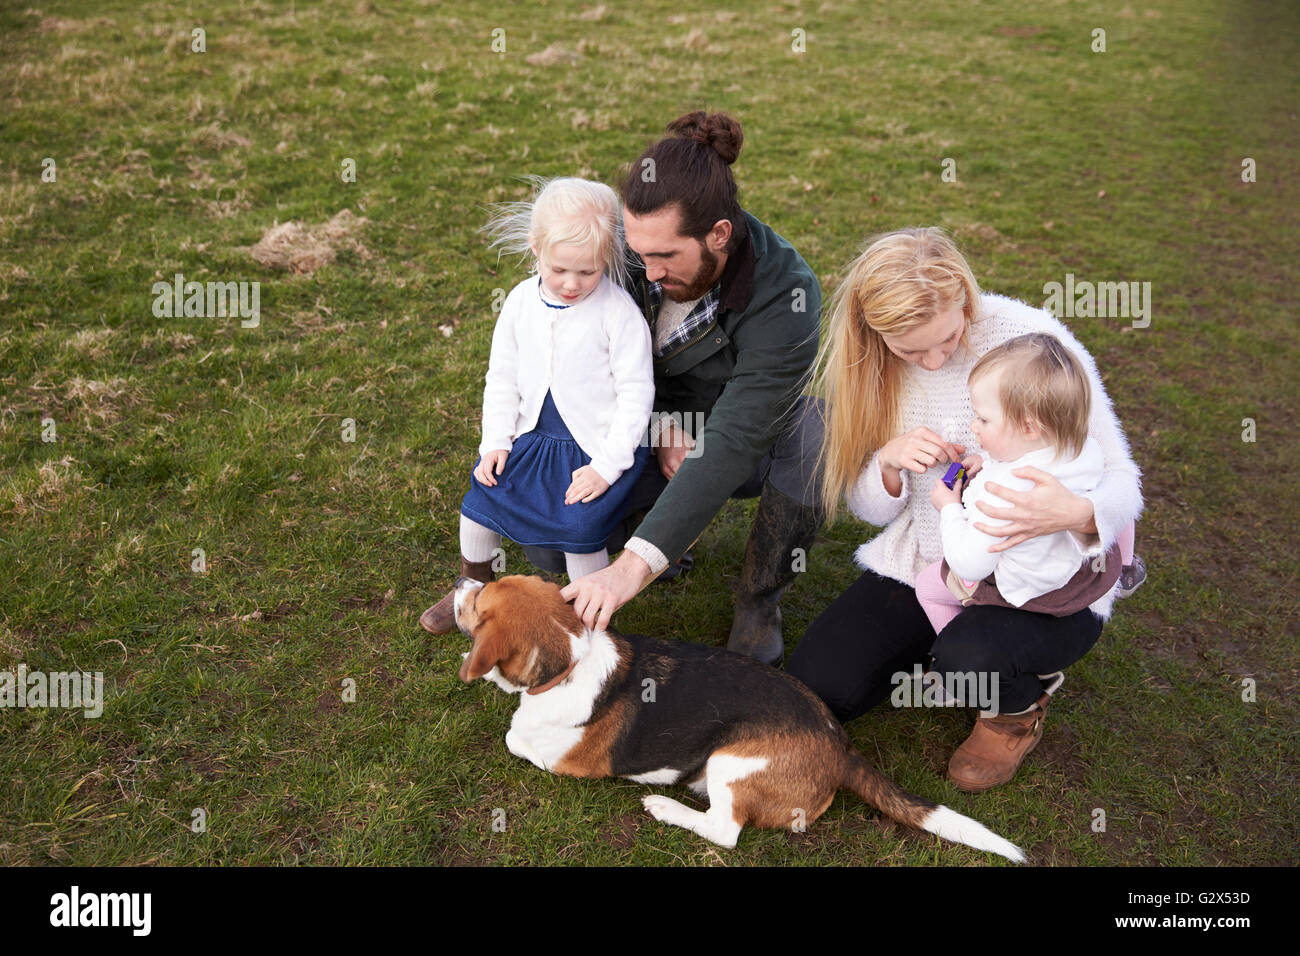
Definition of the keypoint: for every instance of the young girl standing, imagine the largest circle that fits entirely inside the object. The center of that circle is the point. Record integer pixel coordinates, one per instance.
(570, 388)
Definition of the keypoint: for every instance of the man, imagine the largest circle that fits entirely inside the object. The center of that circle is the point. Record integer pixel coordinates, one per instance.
(734, 312)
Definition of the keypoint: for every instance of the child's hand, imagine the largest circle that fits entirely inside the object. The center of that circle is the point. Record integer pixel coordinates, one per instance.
(972, 463)
(941, 495)
(587, 486)
(491, 464)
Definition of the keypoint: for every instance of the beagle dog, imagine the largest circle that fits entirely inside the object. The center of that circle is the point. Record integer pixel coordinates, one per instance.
(752, 739)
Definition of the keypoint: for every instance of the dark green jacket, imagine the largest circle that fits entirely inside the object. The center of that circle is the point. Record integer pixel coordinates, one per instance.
(740, 375)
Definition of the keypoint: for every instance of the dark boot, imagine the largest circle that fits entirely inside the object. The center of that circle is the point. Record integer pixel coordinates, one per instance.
(781, 525)
(678, 568)
(441, 618)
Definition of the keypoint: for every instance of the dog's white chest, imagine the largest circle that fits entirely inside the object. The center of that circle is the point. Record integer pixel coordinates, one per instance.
(544, 746)
(547, 726)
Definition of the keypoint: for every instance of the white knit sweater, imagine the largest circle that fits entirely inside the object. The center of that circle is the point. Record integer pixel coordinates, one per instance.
(940, 401)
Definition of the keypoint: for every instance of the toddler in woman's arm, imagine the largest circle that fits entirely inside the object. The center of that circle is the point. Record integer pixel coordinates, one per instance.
(1031, 402)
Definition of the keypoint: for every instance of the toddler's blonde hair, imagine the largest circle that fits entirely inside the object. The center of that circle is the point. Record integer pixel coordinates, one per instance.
(563, 211)
(1043, 383)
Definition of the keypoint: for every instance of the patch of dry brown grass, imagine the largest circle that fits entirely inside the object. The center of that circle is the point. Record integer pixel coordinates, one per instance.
(66, 25)
(53, 484)
(212, 136)
(90, 343)
(115, 557)
(176, 341)
(553, 55)
(304, 249)
(101, 401)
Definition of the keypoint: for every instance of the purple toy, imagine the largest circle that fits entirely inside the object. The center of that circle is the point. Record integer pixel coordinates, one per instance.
(954, 474)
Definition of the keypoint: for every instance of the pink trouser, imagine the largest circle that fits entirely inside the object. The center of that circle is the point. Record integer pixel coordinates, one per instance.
(941, 605)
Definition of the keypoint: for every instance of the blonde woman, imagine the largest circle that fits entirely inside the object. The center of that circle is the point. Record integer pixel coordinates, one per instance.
(906, 327)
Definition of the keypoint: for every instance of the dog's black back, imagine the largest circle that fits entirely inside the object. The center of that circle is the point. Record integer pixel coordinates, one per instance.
(684, 701)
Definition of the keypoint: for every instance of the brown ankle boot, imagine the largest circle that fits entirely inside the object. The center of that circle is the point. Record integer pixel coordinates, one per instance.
(993, 752)
(441, 618)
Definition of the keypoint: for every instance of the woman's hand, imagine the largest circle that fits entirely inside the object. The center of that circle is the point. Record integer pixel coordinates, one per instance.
(1045, 509)
(916, 451)
(587, 486)
(491, 463)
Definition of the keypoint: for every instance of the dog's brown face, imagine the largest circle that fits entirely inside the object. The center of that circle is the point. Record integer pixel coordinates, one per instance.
(519, 625)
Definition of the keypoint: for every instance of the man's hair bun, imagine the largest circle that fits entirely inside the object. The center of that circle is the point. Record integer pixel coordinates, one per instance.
(718, 130)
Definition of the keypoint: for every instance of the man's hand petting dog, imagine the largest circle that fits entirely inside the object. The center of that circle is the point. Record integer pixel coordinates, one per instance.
(598, 595)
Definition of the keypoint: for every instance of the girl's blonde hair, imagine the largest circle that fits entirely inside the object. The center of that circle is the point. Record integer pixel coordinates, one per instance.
(901, 281)
(1044, 384)
(563, 211)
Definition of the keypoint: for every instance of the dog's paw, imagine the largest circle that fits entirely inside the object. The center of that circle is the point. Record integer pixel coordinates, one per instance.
(659, 806)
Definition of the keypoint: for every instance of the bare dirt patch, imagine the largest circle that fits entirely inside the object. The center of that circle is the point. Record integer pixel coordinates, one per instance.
(374, 603)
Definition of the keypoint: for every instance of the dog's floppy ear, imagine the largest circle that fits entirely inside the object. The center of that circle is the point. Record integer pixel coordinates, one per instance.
(489, 650)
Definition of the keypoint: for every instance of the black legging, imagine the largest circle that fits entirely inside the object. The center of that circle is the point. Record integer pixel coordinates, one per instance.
(877, 629)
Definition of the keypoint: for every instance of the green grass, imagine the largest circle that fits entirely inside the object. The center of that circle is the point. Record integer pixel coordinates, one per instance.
(182, 433)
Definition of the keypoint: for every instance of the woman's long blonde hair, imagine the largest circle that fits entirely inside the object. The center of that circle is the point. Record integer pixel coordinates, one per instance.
(901, 281)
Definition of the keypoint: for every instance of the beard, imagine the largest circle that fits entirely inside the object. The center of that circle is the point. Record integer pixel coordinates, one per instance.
(700, 283)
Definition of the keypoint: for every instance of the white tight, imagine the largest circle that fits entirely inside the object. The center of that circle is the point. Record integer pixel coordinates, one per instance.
(479, 544)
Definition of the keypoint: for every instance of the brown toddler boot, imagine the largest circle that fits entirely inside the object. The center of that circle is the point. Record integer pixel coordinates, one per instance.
(441, 618)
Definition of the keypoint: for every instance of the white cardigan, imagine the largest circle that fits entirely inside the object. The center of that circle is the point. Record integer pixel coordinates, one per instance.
(940, 401)
(594, 356)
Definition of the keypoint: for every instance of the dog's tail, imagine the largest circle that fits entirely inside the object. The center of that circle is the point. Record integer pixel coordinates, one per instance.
(893, 801)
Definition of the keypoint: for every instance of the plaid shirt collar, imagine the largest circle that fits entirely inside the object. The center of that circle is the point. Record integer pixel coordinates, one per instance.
(702, 314)
(731, 291)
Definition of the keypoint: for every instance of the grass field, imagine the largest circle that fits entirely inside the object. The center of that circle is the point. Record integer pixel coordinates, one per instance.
(129, 440)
